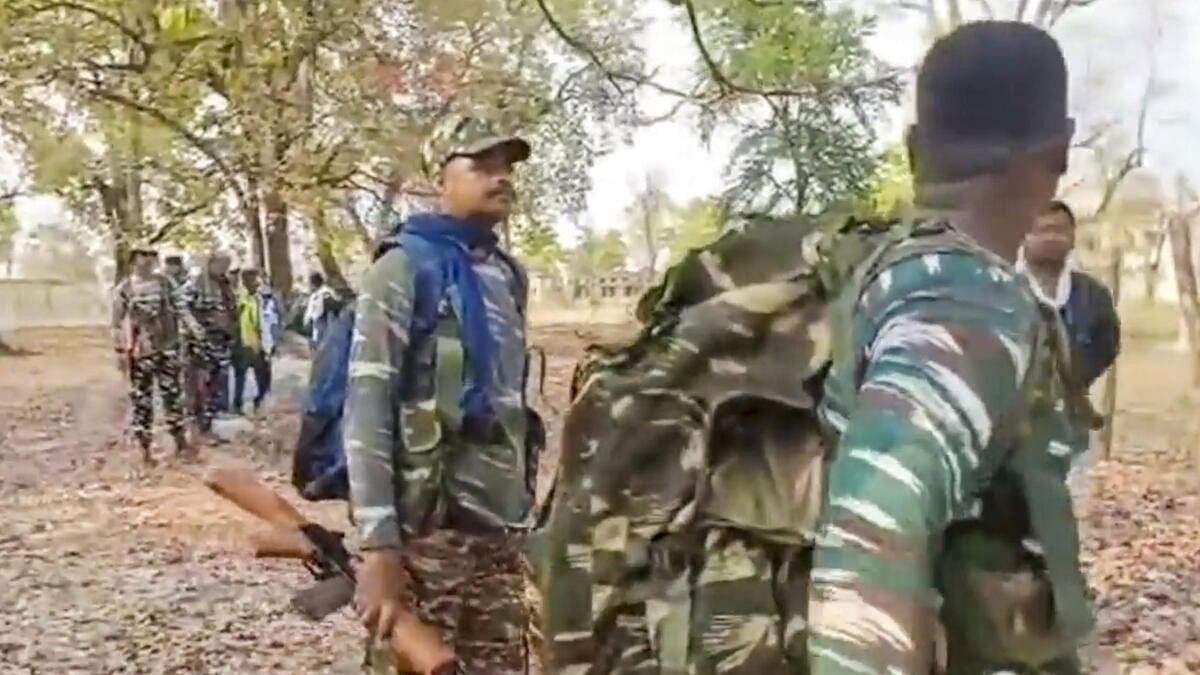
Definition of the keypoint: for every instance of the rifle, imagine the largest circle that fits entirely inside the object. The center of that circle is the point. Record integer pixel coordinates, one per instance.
(416, 646)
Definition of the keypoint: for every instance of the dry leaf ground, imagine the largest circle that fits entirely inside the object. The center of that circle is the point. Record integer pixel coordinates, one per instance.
(107, 569)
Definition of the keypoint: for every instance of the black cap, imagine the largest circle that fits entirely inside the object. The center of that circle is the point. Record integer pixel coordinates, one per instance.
(986, 90)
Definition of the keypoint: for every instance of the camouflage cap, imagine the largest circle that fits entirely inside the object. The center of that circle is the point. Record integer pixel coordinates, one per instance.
(459, 136)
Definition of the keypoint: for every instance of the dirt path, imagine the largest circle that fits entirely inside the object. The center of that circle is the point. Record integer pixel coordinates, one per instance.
(107, 570)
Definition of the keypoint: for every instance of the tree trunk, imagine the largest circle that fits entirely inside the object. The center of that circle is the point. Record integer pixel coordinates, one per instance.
(279, 253)
(325, 256)
(112, 198)
(252, 215)
(1185, 279)
(648, 239)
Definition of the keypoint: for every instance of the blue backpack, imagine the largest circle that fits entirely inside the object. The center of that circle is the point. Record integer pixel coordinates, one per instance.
(319, 461)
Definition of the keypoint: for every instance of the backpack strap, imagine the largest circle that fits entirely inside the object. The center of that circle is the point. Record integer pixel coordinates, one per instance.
(520, 281)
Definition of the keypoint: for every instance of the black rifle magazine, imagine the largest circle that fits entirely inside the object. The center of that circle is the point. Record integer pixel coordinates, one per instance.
(324, 598)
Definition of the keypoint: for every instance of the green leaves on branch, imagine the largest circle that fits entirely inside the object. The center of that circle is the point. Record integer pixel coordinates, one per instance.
(807, 96)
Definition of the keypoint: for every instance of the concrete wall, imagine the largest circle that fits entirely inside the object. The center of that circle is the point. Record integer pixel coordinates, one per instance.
(32, 303)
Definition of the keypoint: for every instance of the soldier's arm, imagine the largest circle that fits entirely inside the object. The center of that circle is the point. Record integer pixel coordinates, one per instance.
(120, 309)
(1105, 334)
(945, 342)
(181, 304)
(381, 325)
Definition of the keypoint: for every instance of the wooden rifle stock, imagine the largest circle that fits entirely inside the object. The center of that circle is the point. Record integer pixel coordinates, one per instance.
(277, 542)
(416, 646)
(241, 487)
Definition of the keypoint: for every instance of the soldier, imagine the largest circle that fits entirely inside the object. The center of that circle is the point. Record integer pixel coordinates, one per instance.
(936, 402)
(438, 437)
(211, 300)
(174, 270)
(147, 320)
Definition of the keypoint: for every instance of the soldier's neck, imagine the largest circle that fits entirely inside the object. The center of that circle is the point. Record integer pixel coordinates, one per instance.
(1046, 274)
(484, 223)
(979, 211)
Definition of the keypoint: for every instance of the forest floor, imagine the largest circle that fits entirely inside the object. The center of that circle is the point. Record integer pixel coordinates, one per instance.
(108, 568)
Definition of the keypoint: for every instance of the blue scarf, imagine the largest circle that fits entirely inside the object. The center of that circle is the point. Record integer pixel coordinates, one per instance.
(449, 241)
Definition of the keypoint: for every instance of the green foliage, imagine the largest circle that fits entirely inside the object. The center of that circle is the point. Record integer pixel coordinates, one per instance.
(697, 224)
(538, 244)
(8, 234)
(806, 93)
(610, 252)
(891, 188)
(195, 113)
(597, 253)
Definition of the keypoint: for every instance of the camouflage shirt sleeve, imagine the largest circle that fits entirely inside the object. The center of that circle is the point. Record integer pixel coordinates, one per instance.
(943, 342)
(182, 308)
(381, 325)
(120, 309)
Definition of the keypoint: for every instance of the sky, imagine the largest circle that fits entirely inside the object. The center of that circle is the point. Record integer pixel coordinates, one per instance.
(1106, 48)
(1109, 48)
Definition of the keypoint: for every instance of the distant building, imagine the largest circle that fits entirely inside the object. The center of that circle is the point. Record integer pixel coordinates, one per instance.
(613, 287)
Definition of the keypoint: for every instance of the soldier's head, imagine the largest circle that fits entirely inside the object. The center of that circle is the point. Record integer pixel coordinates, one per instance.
(1052, 237)
(473, 169)
(250, 278)
(218, 264)
(144, 259)
(992, 120)
(173, 266)
(316, 280)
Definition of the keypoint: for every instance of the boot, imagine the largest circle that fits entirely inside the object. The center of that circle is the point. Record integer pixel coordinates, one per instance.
(147, 456)
(183, 449)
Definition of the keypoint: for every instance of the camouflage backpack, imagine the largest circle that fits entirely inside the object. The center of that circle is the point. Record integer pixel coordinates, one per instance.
(707, 421)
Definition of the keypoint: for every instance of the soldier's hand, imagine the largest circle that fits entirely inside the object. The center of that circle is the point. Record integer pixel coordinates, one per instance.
(123, 363)
(379, 593)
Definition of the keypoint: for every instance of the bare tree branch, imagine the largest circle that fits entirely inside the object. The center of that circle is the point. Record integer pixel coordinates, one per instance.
(176, 219)
(1135, 158)
(8, 195)
(581, 47)
(360, 226)
(174, 125)
(130, 32)
(728, 86)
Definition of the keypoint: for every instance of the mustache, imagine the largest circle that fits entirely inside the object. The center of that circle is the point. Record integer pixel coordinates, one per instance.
(504, 189)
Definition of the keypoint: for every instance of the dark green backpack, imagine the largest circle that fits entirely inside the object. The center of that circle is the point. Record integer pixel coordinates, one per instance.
(705, 420)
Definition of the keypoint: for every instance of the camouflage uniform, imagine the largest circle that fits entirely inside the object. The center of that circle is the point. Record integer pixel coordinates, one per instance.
(950, 415)
(455, 500)
(212, 302)
(680, 533)
(146, 318)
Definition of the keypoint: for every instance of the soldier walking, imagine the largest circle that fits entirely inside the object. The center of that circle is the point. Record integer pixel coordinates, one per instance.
(948, 475)
(440, 446)
(211, 300)
(148, 318)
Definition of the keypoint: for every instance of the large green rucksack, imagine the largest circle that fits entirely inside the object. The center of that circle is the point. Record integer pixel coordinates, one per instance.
(706, 422)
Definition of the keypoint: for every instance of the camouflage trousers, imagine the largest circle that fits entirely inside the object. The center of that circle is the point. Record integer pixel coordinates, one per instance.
(475, 590)
(207, 360)
(161, 368)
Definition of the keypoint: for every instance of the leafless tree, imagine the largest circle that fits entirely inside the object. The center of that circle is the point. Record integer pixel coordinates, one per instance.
(648, 221)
